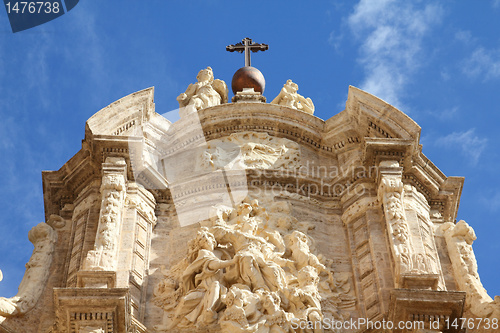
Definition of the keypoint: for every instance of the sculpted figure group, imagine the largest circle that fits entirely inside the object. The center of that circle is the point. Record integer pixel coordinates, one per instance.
(207, 92)
(247, 271)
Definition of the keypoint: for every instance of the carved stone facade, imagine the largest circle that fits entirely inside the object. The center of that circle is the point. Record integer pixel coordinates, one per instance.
(249, 217)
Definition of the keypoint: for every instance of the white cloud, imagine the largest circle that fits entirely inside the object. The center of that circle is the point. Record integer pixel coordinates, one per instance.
(464, 36)
(483, 63)
(496, 3)
(445, 114)
(391, 35)
(470, 145)
(335, 39)
(492, 202)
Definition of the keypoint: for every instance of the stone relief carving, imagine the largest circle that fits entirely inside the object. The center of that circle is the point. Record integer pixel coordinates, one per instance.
(459, 238)
(113, 189)
(205, 93)
(391, 196)
(288, 96)
(411, 204)
(142, 207)
(250, 150)
(250, 270)
(43, 238)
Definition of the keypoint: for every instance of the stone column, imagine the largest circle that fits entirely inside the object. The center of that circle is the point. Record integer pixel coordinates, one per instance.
(390, 193)
(113, 190)
(364, 222)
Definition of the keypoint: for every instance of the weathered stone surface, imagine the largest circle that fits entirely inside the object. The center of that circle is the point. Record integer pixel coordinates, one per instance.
(244, 217)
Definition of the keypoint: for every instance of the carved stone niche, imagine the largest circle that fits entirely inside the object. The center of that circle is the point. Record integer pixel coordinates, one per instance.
(92, 310)
(433, 309)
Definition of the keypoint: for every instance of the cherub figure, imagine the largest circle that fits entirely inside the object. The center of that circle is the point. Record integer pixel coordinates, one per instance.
(242, 313)
(277, 320)
(205, 93)
(288, 97)
(305, 299)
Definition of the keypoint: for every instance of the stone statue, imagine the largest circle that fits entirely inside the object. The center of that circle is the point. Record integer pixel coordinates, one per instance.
(43, 238)
(242, 314)
(205, 93)
(305, 299)
(288, 97)
(459, 238)
(240, 275)
(276, 320)
(252, 269)
(301, 253)
(202, 282)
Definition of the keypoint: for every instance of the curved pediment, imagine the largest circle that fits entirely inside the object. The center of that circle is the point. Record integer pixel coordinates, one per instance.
(120, 116)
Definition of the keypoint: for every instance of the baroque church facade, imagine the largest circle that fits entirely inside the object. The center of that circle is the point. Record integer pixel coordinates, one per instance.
(248, 216)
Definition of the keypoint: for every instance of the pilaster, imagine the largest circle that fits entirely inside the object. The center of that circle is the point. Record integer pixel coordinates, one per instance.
(411, 267)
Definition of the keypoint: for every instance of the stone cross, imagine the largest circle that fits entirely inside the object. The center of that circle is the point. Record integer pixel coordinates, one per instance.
(247, 45)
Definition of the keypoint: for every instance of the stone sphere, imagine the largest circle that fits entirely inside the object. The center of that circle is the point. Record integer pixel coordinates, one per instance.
(248, 77)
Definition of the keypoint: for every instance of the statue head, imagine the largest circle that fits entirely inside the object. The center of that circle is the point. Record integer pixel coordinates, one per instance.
(250, 226)
(291, 87)
(308, 276)
(270, 300)
(235, 295)
(205, 75)
(298, 238)
(204, 240)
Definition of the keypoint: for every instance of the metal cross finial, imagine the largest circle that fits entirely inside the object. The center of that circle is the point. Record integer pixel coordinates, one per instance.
(247, 45)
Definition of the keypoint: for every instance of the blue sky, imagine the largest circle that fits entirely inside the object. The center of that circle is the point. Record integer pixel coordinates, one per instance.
(439, 62)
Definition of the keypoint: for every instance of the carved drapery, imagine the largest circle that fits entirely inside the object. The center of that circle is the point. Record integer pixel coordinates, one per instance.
(113, 190)
(43, 238)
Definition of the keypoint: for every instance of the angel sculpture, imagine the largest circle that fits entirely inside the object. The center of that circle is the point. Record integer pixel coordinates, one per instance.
(288, 97)
(205, 93)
